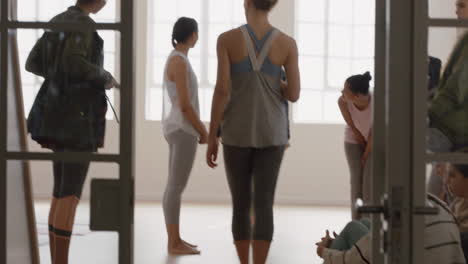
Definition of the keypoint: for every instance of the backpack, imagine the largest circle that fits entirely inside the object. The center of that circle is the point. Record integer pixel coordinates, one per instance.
(45, 57)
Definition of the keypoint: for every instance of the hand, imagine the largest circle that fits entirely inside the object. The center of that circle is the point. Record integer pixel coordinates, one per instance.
(284, 87)
(212, 152)
(342, 101)
(360, 139)
(320, 249)
(441, 170)
(364, 158)
(324, 243)
(112, 84)
(203, 137)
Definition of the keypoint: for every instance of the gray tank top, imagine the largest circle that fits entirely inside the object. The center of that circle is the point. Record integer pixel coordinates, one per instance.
(256, 114)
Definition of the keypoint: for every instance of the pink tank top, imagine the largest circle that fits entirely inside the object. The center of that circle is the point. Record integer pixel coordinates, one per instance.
(362, 120)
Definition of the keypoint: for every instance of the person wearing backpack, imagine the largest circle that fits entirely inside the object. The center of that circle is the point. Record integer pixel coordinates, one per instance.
(68, 114)
(448, 110)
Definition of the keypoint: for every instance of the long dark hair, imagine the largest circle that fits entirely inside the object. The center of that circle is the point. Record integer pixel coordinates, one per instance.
(183, 30)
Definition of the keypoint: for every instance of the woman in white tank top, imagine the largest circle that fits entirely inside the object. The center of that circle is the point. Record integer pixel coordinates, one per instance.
(356, 108)
(182, 128)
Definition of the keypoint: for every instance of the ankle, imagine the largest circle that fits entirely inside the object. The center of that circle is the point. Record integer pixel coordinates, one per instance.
(174, 242)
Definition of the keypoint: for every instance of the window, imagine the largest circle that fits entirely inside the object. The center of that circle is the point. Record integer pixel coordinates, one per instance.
(213, 17)
(37, 10)
(335, 40)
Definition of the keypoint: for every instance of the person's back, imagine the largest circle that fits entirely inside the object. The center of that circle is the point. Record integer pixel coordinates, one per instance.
(74, 74)
(250, 109)
(256, 115)
(68, 114)
(442, 236)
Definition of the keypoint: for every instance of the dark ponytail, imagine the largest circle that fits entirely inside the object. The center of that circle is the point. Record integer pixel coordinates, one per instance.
(360, 83)
(183, 30)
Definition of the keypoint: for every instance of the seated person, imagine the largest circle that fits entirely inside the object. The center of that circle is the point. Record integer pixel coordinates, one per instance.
(458, 182)
(353, 245)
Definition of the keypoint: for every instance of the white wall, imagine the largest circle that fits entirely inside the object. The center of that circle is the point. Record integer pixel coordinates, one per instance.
(314, 170)
(441, 40)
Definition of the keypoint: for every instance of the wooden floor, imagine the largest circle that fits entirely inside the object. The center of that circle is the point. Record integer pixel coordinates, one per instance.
(296, 231)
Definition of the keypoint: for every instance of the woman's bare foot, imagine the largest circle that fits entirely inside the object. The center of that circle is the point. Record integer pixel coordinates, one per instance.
(188, 244)
(180, 248)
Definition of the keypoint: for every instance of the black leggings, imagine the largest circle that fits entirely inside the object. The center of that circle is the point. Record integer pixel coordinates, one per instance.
(69, 177)
(252, 172)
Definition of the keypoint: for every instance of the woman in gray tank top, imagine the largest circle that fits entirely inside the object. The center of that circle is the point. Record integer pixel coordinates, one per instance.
(249, 113)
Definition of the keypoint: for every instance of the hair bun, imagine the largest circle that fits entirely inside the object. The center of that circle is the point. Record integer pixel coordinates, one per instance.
(367, 76)
(265, 5)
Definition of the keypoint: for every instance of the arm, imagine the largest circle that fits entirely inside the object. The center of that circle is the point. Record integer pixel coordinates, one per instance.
(368, 150)
(220, 98)
(292, 88)
(358, 254)
(349, 121)
(452, 91)
(178, 69)
(462, 82)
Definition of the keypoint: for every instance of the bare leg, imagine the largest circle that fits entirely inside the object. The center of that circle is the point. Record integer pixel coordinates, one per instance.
(260, 251)
(63, 224)
(175, 245)
(53, 207)
(243, 250)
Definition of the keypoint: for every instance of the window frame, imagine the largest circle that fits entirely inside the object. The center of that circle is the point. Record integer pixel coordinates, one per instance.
(327, 88)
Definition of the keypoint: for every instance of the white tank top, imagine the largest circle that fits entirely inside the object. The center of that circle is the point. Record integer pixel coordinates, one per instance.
(173, 118)
(361, 119)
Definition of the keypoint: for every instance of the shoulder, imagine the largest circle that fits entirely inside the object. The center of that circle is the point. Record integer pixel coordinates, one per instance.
(229, 36)
(445, 211)
(84, 19)
(72, 15)
(177, 62)
(286, 41)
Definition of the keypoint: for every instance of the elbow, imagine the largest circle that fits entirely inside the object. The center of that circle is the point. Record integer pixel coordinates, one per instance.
(294, 98)
(292, 93)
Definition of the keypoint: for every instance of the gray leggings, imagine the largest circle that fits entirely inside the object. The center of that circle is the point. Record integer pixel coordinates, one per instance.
(182, 150)
(360, 176)
(252, 175)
